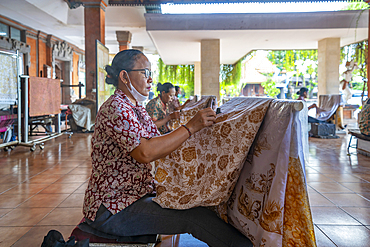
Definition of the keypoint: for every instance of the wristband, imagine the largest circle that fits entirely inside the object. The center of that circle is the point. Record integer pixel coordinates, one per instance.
(189, 132)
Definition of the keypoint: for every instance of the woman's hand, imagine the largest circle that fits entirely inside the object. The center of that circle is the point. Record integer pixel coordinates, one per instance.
(312, 106)
(186, 102)
(175, 115)
(203, 118)
(160, 146)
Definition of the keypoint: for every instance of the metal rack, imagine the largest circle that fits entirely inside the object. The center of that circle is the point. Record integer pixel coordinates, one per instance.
(22, 127)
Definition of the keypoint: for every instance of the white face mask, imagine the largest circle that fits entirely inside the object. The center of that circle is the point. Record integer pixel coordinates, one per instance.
(137, 96)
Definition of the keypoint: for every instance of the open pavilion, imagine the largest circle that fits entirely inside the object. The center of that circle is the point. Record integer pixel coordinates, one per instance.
(205, 40)
(44, 190)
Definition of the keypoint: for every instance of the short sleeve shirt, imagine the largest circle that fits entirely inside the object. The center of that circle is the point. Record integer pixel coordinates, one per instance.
(117, 179)
(364, 119)
(157, 111)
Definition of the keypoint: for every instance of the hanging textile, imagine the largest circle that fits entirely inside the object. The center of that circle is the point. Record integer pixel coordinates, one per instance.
(43, 96)
(270, 202)
(259, 188)
(190, 110)
(8, 79)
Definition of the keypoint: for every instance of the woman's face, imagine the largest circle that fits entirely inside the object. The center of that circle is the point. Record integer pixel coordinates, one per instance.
(167, 97)
(178, 92)
(305, 94)
(138, 77)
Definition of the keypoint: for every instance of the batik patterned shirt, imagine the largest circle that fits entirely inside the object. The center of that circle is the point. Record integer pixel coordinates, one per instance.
(117, 179)
(364, 119)
(158, 111)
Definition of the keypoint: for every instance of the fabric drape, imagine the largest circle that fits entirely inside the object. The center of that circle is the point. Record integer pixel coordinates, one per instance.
(250, 167)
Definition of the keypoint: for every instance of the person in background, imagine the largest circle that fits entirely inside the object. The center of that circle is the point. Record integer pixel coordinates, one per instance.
(118, 199)
(364, 118)
(158, 109)
(175, 104)
(302, 96)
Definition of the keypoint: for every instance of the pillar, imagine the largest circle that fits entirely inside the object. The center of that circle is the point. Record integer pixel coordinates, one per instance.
(210, 67)
(328, 66)
(197, 78)
(94, 30)
(124, 39)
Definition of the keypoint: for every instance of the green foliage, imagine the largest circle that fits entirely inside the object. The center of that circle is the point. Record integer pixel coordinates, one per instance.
(178, 75)
(286, 59)
(226, 74)
(269, 87)
(230, 75)
(356, 5)
(289, 60)
(358, 52)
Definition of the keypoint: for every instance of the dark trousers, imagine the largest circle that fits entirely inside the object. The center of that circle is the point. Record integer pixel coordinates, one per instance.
(145, 217)
(314, 120)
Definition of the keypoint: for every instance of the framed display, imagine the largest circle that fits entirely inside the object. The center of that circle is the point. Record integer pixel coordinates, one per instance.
(103, 90)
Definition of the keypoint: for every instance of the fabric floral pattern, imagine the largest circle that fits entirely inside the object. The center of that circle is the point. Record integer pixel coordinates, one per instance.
(203, 171)
(117, 180)
(297, 216)
(173, 104)
(364, 119)
(157, 110)
(264, 204)
(255, 187)
(190, 110)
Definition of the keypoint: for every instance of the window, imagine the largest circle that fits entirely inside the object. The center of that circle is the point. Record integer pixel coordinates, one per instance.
(15, 33)
(4, 30)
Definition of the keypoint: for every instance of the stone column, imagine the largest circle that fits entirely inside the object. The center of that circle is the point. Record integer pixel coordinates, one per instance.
(124, 39)
(197, 79)
(94, 30)
(210, 64)
(328, 66)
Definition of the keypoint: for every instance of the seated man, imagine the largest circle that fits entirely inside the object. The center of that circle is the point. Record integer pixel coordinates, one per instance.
(364, 119)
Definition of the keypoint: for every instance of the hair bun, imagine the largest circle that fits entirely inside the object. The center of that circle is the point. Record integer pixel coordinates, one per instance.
(110, 71)
(159, 87)
(111, 77)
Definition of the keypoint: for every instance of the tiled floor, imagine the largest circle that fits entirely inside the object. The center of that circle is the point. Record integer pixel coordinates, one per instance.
(44, 190)
(339, 192)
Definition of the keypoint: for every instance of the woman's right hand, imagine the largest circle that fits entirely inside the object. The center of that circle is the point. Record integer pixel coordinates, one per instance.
(203, 118)
(312, 106)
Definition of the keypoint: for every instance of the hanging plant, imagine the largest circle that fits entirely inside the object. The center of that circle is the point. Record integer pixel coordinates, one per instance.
(230, 75)
(178, 75)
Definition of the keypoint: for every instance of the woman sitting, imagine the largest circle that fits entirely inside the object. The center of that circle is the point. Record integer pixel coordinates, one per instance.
(158, 107)
(174, 104)
(118, 199)
(302, 96)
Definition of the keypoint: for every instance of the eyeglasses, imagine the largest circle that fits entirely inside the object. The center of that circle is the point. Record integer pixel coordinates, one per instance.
(147, 72)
